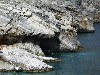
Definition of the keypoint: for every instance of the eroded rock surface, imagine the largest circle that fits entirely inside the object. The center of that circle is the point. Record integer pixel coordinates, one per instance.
(30, 27)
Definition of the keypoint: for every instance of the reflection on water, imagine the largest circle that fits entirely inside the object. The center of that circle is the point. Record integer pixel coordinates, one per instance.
(80, 63)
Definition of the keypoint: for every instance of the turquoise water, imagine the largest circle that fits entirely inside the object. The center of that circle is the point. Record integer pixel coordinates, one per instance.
(80, 63)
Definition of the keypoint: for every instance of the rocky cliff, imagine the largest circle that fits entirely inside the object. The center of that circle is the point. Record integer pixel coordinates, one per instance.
(28, 28)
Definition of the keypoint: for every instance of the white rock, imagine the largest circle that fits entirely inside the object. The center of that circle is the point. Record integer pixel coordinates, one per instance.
(28, 13)
(16, 68)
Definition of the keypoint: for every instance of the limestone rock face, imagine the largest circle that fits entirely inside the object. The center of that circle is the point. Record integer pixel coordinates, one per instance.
(88, 13)
(23, 60)
(37, 18)
(34, 49)
(6, 66)
(85, 24)
(71, 39)
(29, 27)
(25, 57)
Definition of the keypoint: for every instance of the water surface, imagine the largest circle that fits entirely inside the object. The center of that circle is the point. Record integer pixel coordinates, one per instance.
(81, 63)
